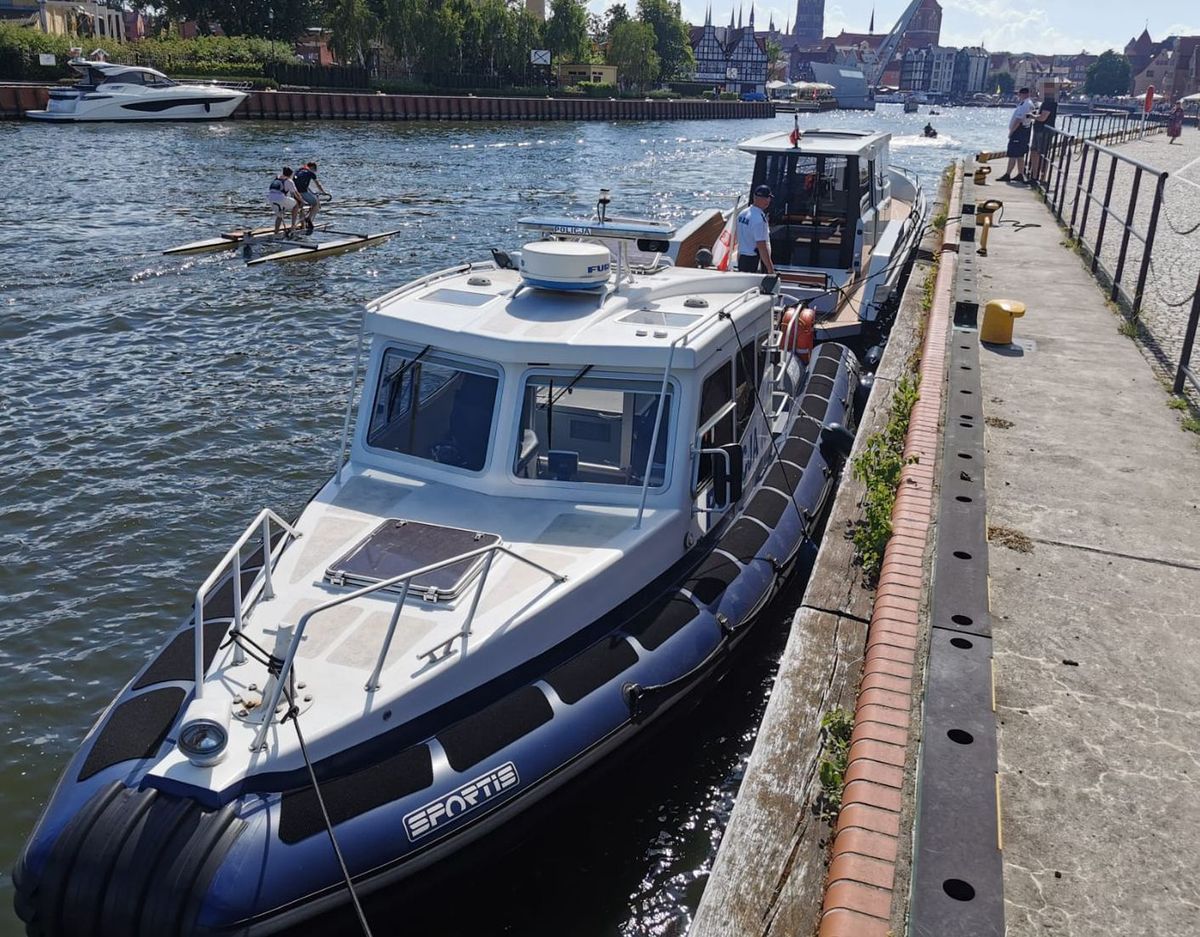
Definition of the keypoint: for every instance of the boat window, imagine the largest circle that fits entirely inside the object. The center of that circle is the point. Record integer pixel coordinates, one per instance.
(811, 211)
(595, 430)
(124, 78)
(433, 408)
(717, 415)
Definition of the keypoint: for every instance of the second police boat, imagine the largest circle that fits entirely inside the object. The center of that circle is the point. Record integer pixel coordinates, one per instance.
(572, 484)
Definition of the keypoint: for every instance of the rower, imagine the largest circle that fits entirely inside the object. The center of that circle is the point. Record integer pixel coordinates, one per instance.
(283, 196)
(307, 176)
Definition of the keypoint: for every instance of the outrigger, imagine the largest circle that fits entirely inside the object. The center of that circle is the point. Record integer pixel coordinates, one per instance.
(297, 248)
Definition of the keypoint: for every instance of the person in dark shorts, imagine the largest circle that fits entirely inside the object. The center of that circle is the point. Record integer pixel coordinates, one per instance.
(306, 177)
(754, 234)
(1018, 138)
(1045, 117)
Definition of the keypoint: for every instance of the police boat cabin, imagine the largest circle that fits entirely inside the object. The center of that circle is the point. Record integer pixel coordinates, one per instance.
(843, 224)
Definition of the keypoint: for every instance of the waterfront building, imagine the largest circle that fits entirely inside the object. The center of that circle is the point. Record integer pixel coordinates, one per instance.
(83, 18)
(970, 72)
(915, 67)
(810, 22)
(1174, 70)
(941, 69)
(731, 59)
(925, 27)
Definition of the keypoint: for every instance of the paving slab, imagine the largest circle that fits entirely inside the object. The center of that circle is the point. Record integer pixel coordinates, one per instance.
(1097, 628)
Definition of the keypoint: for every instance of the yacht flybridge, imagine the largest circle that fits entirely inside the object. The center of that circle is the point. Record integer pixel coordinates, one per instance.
(108, 91)
(844, 223)
(572, 485)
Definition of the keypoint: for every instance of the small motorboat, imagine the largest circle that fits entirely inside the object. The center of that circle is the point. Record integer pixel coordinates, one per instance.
(573, 484)
(108, 91)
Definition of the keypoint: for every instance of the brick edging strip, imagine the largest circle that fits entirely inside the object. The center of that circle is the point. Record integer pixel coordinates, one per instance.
(859, 891)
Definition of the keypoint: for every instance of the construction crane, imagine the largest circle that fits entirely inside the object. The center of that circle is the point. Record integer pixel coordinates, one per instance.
(887, 48)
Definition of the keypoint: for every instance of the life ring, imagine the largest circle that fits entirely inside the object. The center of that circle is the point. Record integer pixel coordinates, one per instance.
(799, 329)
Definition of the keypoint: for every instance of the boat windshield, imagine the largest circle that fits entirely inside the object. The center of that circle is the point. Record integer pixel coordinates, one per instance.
(593, 430)
(433, 407)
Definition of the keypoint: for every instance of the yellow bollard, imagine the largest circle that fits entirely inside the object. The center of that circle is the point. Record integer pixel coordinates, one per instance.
(981, 174)
(984, 213)
(998, 316)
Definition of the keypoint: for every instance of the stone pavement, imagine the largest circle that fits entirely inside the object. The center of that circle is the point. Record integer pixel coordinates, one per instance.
(1094, 511)
(1175, 259)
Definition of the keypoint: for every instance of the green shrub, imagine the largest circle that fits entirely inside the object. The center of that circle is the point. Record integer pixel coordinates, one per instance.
(730, 96)
(597, 89)
(664, 95)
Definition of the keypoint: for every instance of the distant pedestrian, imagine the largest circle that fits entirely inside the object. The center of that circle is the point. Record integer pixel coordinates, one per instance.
(1045, 117)
(1018, 137)
(754, 234)
(1175, 123)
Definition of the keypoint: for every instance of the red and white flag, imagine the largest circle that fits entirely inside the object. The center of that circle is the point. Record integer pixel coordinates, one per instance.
(726, 244)
(794, 136)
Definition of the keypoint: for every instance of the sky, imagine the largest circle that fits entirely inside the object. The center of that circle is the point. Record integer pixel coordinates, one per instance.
(1000, 25)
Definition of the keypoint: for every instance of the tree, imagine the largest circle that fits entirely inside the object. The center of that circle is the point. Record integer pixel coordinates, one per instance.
(614, 16)
(354, 27)
(269, 19)
(632, 51)
(672, 41)
(777, 63)
(1005, 83)
(1108, 75)
(566, 31)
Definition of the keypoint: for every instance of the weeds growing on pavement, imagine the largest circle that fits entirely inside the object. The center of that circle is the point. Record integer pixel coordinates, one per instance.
(1191, 424)
(878, 467)
(836, 728)
(1128, 328)
(1177, 403)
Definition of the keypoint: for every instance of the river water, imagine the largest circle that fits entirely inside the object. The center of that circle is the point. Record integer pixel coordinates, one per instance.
(149, 406)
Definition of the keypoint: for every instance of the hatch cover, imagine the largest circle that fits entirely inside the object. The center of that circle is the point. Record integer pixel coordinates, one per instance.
(400, 546)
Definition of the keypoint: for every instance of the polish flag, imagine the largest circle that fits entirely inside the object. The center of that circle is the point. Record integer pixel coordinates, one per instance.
(794, 136)
(726, 244)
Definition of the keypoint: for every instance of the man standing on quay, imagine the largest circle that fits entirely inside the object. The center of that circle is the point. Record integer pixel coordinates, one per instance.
(1018, 138)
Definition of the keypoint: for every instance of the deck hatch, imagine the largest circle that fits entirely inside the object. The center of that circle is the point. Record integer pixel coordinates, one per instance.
(400, 546)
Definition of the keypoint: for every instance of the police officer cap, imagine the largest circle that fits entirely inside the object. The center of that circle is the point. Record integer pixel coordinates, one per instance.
(762, 191)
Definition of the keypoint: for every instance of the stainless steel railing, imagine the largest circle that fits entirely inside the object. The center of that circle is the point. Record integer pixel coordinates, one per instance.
(233, 560)
(404, 581)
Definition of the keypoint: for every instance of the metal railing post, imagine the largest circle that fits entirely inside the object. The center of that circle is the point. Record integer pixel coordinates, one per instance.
(373, 680)
(1133, 194)
(1079, 187)
(1148, 245)
(1091, 185)
(198, 627)
(1064, 174)
(1112, 177)
(483, 575)
(268, 589)
(239, 655)
(1189, 338)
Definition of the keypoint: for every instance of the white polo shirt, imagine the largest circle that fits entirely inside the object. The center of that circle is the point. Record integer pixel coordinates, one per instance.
(752, 228)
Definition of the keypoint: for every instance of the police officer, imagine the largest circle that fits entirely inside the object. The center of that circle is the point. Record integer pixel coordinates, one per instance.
(754, 234)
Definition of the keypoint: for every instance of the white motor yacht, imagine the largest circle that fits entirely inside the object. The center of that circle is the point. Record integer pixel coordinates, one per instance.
(108, 91)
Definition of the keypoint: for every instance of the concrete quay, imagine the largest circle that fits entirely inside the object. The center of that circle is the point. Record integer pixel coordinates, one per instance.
(1069, 807)
(1093, 494)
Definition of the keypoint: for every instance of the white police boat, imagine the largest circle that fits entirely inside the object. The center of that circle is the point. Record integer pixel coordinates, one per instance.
(844, 225)
(572, 485)
(107, 91)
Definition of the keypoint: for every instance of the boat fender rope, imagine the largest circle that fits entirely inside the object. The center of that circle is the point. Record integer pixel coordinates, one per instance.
(293, 714)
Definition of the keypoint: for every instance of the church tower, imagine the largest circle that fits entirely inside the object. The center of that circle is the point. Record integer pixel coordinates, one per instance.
(810, 21)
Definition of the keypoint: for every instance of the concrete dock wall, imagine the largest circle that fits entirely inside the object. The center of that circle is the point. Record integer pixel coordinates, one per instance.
(324, 105)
